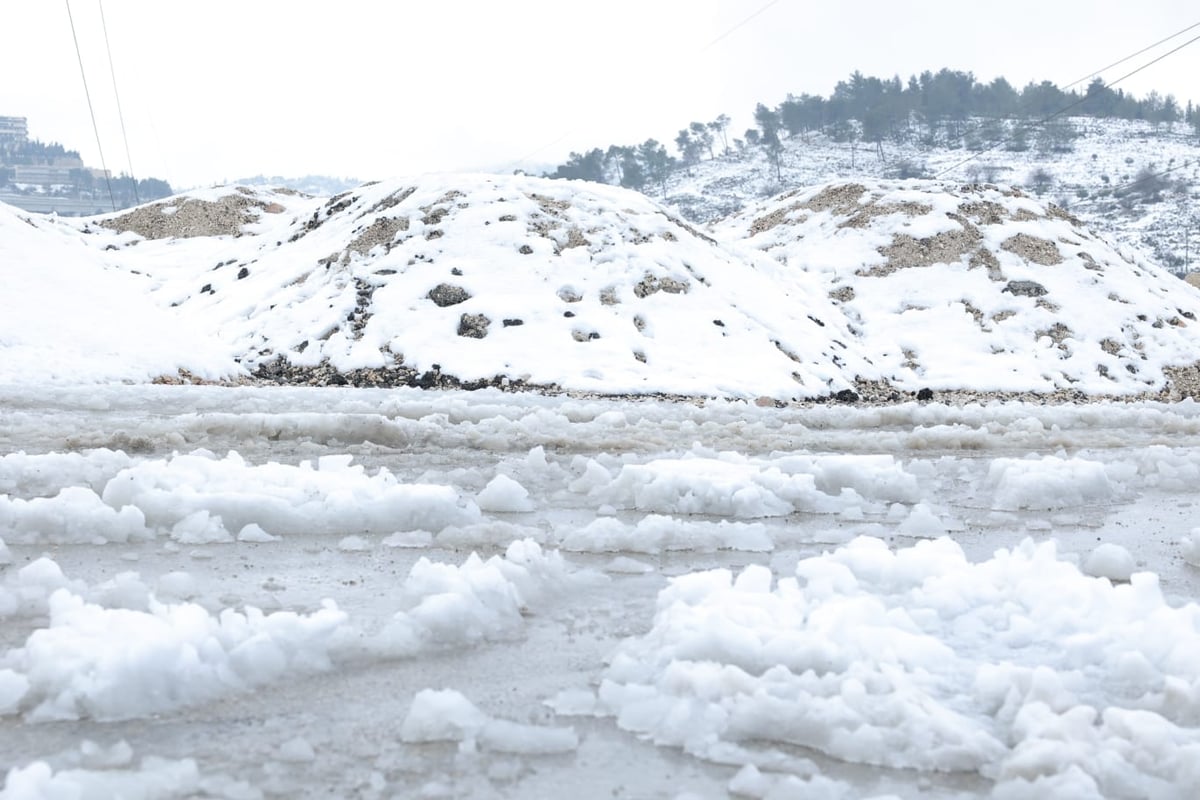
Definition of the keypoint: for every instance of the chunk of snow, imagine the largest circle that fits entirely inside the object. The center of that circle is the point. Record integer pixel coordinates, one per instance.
(446, 715)
(1109, 561)
(353, 544)
(504, 495)
(1191, 547)
(253, 532)
(120, 663)
(862, 652)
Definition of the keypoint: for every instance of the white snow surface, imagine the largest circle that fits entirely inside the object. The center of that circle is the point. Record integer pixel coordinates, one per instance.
(497, 595)
(586, 287)
(947, 286)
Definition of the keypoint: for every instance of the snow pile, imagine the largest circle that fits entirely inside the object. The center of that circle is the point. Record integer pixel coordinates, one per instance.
(69, 316)
(75, 515)
(118, 663)
(486, 279)
(656, 533)
(448, 716)
(455, 606)
(979, 287)
(732, 485)
(44, 474)
(202, 498)
(1191, 547)
(920, 659)
(198, 498)
(26, 593)
(1047, 483)
(109, 772)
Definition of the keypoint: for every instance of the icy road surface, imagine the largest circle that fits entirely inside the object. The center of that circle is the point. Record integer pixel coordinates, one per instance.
(247, 593)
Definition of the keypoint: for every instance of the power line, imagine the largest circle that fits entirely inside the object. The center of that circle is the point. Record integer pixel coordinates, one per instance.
(91, 110)
(1132, 55)
(128, 158)
(1072, 105)
(735, 27)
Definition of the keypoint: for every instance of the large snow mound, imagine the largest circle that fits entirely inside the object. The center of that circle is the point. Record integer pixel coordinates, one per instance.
(479, 279)
(920, 659)
(513, 281)
(949, 286)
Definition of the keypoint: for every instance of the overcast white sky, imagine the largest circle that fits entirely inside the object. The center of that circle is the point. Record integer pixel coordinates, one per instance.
(217, 90)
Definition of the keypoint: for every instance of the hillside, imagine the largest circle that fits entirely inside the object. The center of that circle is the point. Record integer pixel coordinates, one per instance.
(879, 289)
(1094, 179)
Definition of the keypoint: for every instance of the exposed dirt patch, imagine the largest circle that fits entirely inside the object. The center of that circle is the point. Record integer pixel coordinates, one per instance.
(842, 294)
(984, 212)
(905, 251)
(871, 211)
(393, 199)
(652, 283)
(1033, 248)
(188, 218)
(575, 238)
(982, 257)
(549, 205)
(380, 232)
(1058, 334)
(840, 199)
(776, 218)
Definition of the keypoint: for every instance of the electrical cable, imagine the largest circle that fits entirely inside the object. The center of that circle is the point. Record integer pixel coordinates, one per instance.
(95, 129)
(1067, 107)
(1132, 55)
(121, 116)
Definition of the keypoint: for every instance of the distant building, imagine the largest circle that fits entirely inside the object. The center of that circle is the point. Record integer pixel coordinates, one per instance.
(14, 130)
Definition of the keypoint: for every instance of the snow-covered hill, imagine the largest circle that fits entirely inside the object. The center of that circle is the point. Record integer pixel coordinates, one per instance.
(1094, 179)
(884, 288)
(950, 287)
(484, 280)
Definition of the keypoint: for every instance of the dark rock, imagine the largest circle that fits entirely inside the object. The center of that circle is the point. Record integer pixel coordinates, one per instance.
(846, 396)
(718, 323)
(925, 394)
(1024, 288)
(473, 326)
(446, 294)
(525, 250)
(509, 323)
(243, 273)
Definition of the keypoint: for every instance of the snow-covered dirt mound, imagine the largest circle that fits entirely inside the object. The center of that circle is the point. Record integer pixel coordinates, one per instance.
(484, 280)
(949, 287)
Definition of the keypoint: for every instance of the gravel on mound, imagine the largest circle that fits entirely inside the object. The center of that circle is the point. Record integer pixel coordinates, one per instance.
(191, 217)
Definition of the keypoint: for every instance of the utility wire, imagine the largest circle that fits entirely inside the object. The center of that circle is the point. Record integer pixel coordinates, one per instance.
(1132, 55)
(128, 159)
(735, 27)
(91, 110)
(976, 127)
(1069, 106)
